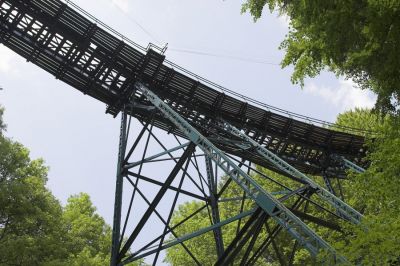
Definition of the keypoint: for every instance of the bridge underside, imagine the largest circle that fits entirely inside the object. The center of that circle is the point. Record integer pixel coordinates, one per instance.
(267, 215)
(75, 49)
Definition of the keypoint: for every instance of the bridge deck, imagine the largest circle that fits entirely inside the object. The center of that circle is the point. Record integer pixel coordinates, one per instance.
(69, 45)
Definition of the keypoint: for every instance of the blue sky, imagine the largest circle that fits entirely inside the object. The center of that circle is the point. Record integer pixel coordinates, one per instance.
(79, 141)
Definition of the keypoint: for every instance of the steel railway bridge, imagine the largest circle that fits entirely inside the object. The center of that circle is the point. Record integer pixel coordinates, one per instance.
(209, 129)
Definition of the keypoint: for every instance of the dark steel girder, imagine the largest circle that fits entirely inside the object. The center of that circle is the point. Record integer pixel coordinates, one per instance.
(90, 58)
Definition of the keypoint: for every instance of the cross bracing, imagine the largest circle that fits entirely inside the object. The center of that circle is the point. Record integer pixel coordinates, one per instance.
(210, 125)
(261, 216)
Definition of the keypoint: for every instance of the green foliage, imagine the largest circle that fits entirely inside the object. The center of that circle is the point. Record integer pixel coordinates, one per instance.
(362, 119)
(30, 216)
(2, 125)
(359, 39)
(34, 228)
(376, 192)
(203, 247)
(88, 234)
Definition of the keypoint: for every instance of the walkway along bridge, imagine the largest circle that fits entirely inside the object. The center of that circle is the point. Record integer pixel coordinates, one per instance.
(214, 130)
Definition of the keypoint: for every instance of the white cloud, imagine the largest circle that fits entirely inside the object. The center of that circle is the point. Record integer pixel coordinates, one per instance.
(347, 96)
(7, 58)
(122, 4)
(284, 20)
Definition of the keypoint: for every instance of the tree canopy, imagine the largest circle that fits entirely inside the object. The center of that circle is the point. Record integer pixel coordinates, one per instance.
(29, 213)
(35, 229)
(359, 39)
(376, 192)
(2, 125)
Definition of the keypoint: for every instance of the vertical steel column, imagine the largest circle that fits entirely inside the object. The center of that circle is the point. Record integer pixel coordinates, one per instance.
(214, 207)
(118, 192)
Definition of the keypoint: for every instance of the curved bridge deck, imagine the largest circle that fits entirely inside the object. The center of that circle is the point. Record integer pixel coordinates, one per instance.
(70, 45)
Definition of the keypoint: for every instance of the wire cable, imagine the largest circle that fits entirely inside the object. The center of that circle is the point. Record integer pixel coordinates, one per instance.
(189, 51)
(233, 57)
(214, 85)
(128, 16)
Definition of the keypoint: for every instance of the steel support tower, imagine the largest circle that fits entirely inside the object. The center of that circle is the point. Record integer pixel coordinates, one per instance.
(184, 139)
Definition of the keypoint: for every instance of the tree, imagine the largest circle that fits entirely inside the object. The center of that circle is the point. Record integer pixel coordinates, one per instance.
(203, 247)
(359, 39)
(376, 193)
(34, 228)
(2, 125)
(89, 237)
(361, 118)
(30, 216)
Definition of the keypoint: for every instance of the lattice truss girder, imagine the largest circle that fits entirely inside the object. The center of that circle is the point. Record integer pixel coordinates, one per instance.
(75, 49)
(261, 213)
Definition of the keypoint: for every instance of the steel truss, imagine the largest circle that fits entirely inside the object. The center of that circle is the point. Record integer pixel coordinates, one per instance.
(199, 171)
(76, 48)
